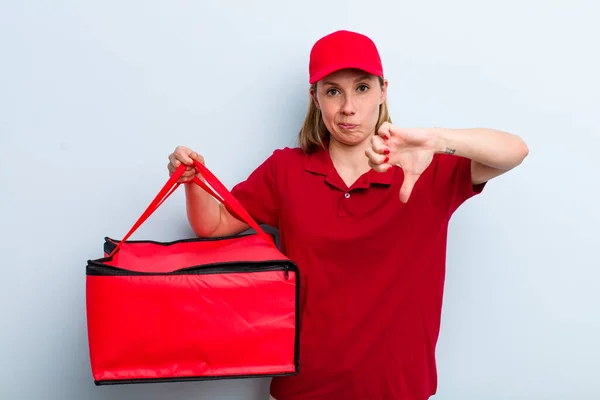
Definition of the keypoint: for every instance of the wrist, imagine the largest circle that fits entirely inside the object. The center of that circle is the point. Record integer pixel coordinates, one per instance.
(193, 189)
(443, 141)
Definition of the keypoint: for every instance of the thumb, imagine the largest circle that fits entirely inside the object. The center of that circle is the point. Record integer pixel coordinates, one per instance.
(197, 157)
(407, 186)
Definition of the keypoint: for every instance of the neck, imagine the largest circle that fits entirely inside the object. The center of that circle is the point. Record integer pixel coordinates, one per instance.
(349, 161)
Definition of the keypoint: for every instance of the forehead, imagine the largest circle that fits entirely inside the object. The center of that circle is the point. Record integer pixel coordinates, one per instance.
(347, 75)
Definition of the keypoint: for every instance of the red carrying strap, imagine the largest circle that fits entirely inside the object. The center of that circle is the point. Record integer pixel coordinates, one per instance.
(231, 203)
(220, 193)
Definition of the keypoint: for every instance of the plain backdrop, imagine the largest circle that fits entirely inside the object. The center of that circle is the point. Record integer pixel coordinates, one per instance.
(95, 95)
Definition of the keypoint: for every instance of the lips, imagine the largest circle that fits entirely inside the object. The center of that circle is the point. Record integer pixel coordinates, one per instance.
(347, 126)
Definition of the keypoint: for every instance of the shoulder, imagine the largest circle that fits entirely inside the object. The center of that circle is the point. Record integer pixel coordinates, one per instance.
(280, 162)
(289, 153)
(288, 156)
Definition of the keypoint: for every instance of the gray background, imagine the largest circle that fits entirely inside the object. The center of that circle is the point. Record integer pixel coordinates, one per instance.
(95, 95)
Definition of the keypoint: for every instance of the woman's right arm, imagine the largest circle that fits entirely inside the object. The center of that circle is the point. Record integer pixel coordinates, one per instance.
(207, 217)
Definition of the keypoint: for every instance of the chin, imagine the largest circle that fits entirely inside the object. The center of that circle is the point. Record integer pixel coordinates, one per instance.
(350, 139)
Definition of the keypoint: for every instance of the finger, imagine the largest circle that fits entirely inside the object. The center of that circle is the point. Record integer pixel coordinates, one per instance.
(183, 157)
(171, 168)
(407, 186)
(379, 146)
(173, 161)
(384, 131)
(380, 167)
(197, 157)
(189, 173)
(375, 158)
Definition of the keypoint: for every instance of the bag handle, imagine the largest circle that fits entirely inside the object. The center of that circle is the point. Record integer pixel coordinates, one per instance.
(220, 193)
(231, 203)
(224, 196)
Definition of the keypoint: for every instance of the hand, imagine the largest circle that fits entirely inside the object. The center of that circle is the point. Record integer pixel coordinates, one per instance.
(183, 155)
(410, 149)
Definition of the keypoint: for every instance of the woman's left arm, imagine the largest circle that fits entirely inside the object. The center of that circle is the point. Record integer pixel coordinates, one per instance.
(491, 152)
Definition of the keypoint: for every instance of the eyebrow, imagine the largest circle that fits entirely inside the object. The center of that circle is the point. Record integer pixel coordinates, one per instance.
(364, 77)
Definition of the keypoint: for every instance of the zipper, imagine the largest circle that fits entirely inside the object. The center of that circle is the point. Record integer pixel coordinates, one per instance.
(112, 243)
(107, 270)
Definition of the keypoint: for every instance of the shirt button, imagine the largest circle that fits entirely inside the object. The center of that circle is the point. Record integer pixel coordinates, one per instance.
(347, 195)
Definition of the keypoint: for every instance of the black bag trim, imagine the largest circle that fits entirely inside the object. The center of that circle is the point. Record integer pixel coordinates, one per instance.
(192, 378)
(110, 243)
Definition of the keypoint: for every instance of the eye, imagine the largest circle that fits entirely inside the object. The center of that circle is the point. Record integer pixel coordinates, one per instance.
(332, 92)
(363, 88)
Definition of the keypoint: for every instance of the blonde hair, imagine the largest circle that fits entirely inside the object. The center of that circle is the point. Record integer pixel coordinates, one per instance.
(314, 134)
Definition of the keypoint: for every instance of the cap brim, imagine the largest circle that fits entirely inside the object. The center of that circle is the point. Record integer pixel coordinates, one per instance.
(317, 76)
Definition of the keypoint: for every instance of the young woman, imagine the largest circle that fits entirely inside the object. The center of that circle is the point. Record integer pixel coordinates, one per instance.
(362, 207)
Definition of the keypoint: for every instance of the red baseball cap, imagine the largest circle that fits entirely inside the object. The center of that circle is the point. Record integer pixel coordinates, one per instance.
(341, 50)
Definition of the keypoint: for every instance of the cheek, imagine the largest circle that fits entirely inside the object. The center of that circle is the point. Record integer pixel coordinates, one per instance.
(329, 112)
(375, 113)
(370, 111)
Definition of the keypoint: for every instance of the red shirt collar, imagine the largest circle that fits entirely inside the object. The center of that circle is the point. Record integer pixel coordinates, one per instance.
(319, 162)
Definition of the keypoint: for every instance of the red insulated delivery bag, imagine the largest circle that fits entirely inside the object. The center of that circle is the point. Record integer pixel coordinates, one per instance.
(193, 309)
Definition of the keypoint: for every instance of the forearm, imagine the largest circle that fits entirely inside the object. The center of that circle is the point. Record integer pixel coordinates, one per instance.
(203, 211)
(496, 149)
(207, 217)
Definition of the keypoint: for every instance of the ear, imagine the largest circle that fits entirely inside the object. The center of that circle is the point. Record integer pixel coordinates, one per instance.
(383, 91)
(313, 95)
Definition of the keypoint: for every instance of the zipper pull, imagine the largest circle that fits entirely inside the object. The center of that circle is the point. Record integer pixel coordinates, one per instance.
(287, 273)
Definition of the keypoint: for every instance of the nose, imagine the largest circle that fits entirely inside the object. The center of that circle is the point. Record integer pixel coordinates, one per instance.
(348, 107)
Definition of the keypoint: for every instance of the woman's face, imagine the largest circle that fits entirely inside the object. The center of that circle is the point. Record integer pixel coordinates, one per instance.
(349, 101)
